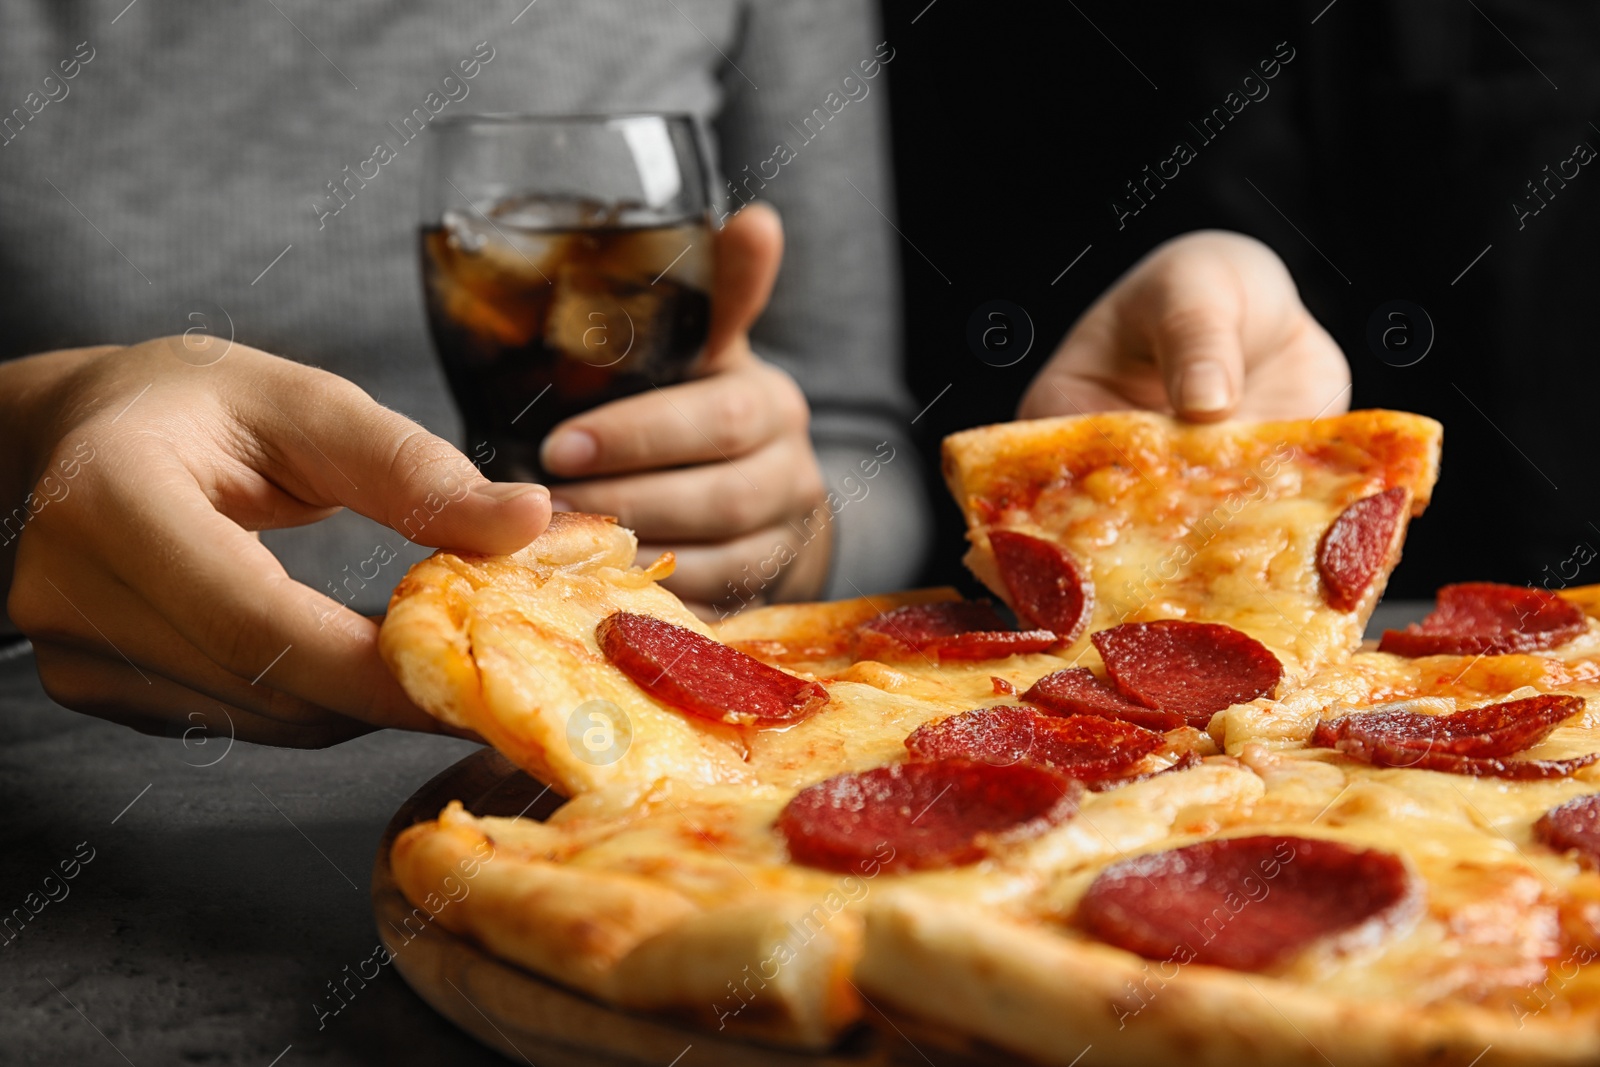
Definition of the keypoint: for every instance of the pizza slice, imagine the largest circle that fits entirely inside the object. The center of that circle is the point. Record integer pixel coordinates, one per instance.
(506, 646)
(1286, 531)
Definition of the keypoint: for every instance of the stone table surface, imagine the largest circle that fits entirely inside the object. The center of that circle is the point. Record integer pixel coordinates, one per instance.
(217, 892)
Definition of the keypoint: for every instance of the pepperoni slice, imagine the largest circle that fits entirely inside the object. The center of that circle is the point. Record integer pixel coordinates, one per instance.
(993, 644)
(1001, 686)
(1085, 747)
(917, 624)
(1358, 544)
(1493, 730)
(1573, 827)
(915, 816)
(1385, 755)
(1486, 619)
(956, 629)
(1187, 668)
(704, 677)
(1048, 587)
(1246, 902)
(1473, 741)
(1076, 691)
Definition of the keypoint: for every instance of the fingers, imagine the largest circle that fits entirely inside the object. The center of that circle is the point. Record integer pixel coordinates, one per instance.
(109, 688)
(1094, 370)
(1197, 349)
(1207, 326)
(741, 404)
(711, 502)
(1306, 377)
(329, 443)
(1165, 336)
(145, 564)
(713, 419)
(1230, 336)
(65, 600)
(228, 596)
(749, 250)
(1192, 309)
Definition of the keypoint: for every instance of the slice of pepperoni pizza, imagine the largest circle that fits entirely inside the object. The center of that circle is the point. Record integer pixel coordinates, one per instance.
(1285, 531)
(507, 646)
(578, 666)
(1347, 915)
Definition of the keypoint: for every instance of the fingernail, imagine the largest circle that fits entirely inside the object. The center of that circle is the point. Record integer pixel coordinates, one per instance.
(569, 451)
(505, 492)
(557, 504)
(1203, 387)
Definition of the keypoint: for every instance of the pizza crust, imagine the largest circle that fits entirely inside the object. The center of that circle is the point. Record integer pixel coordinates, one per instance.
(1010, 459)
(1055, 1000)
(685, 902)
(426, 634)
(634, 943)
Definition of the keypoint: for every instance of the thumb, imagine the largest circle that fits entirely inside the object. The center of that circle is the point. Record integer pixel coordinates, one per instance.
(432, 495)
(1195, 317)
(749, 250)
(334, 445)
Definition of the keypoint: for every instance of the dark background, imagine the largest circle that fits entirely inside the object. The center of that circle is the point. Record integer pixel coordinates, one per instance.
(1396, 140)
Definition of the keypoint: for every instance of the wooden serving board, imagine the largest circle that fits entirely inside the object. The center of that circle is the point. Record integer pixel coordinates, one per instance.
(532, 1020)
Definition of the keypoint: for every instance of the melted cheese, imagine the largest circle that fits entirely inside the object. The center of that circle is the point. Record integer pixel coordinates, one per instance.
(1370, 677)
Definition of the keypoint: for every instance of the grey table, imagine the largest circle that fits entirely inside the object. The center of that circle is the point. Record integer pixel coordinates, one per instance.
(220, 901)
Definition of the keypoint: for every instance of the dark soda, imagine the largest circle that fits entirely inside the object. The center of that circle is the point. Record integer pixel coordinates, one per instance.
(544, 308)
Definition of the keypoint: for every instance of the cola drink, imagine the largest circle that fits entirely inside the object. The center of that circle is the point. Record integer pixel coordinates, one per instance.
(544, 307)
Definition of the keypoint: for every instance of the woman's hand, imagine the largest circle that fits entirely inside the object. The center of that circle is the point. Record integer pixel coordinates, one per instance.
(719, 470)
(1208, 326)
(137, 572)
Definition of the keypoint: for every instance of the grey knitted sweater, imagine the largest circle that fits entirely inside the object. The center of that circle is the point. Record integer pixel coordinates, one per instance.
(170, 155)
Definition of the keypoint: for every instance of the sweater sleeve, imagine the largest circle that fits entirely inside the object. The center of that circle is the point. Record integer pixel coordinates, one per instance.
(804, 127)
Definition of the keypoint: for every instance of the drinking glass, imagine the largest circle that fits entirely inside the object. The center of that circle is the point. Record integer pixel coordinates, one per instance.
(566, 262)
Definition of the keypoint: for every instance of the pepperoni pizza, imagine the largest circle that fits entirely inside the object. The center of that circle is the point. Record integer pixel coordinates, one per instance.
(1179, 812)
